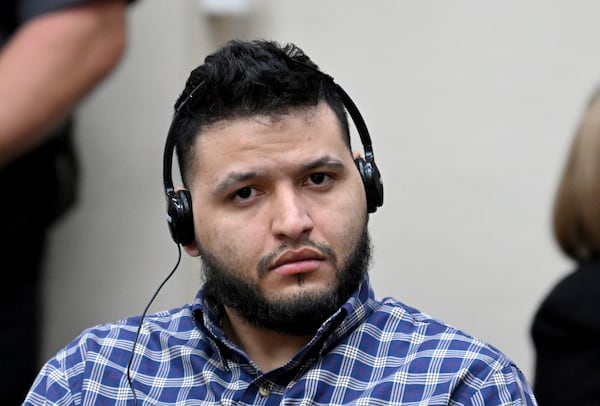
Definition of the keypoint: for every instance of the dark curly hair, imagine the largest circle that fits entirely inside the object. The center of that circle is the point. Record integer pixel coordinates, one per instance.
(246, 78)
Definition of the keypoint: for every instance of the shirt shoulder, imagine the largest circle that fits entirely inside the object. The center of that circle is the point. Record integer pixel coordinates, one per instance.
(103, 353)
(427, 354)
(403, 322)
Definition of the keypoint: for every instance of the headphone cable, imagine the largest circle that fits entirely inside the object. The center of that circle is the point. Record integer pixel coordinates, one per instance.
(139, 328)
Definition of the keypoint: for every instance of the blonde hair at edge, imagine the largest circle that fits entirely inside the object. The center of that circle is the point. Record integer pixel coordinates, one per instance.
(577, 201)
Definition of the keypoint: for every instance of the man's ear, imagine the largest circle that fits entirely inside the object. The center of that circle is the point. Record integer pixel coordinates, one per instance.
(192, 249)
(356, 154)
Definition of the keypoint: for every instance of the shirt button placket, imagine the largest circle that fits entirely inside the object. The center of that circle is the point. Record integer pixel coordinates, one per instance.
(264, 390)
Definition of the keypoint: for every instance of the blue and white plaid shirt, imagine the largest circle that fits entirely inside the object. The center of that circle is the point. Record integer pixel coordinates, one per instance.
(371, 352)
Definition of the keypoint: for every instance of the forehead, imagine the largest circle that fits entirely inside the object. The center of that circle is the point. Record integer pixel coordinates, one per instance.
(300, 134)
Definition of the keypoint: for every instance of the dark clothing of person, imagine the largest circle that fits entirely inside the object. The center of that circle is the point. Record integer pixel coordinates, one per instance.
(37, 189)
(566, 335)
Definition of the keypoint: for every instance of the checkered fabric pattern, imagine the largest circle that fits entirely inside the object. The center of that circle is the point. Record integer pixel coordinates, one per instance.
(371, 352)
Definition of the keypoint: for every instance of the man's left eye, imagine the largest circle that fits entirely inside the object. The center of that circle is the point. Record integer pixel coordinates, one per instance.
(318, 178)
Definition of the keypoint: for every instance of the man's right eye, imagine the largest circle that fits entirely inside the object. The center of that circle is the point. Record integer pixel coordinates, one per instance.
(244, 193)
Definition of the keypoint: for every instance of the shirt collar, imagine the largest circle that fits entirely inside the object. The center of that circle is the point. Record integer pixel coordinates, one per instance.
(351, 314)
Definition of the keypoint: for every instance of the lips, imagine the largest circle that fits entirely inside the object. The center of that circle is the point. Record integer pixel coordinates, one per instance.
(297, 261)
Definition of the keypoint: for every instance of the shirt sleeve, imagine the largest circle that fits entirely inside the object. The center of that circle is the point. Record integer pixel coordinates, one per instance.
(50, 386)
(28, 9)
(504, 387)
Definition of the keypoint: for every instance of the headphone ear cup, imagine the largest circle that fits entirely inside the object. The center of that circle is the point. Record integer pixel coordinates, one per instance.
(372, 182)
(180, 217)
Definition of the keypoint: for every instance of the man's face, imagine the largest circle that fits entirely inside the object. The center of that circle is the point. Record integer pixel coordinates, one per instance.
(280, 217)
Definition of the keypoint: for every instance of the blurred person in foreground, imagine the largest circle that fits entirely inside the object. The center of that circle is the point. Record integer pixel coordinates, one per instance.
(52, 54)
(566, 326)
(276, 204)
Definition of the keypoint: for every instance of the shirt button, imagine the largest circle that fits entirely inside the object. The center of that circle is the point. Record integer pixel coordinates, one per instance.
(264, 390)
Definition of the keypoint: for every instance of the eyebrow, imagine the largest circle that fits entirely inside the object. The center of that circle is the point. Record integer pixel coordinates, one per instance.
(239, 177)
(231, 179)
(325, 161)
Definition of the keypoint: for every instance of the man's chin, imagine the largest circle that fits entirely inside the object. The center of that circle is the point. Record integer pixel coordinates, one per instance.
(291, 294)
(297, 308)
(296, 312)
(292, 310)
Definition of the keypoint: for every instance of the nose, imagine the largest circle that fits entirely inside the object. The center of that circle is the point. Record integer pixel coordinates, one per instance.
(291, 219)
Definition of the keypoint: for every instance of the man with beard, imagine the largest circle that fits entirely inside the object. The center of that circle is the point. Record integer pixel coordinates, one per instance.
(276, 205)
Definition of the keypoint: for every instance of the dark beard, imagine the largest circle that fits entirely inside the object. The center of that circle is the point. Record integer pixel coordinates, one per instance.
(301, 315)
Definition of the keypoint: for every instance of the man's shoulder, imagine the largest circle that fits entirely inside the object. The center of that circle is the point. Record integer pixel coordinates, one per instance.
(414, 356)
(397, 321)
(164, 319)
(124, 332)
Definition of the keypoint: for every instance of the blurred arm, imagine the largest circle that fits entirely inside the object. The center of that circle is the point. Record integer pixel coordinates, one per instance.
(50, 64)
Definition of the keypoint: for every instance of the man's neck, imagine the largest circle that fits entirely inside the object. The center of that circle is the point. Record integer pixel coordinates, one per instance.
(268, 349)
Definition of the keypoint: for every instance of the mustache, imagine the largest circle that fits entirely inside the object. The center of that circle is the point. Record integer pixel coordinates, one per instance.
(325, 249)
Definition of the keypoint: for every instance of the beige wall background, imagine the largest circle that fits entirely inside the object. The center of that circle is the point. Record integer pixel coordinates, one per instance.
(471, 106)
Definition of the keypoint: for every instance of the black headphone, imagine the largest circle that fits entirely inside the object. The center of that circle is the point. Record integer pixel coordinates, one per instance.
(179, 203)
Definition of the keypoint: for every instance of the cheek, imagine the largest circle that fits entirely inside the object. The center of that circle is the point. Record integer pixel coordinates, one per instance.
(352, 197)
(343, 225)
(351, 204)
(234, 244)
(354, 215)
